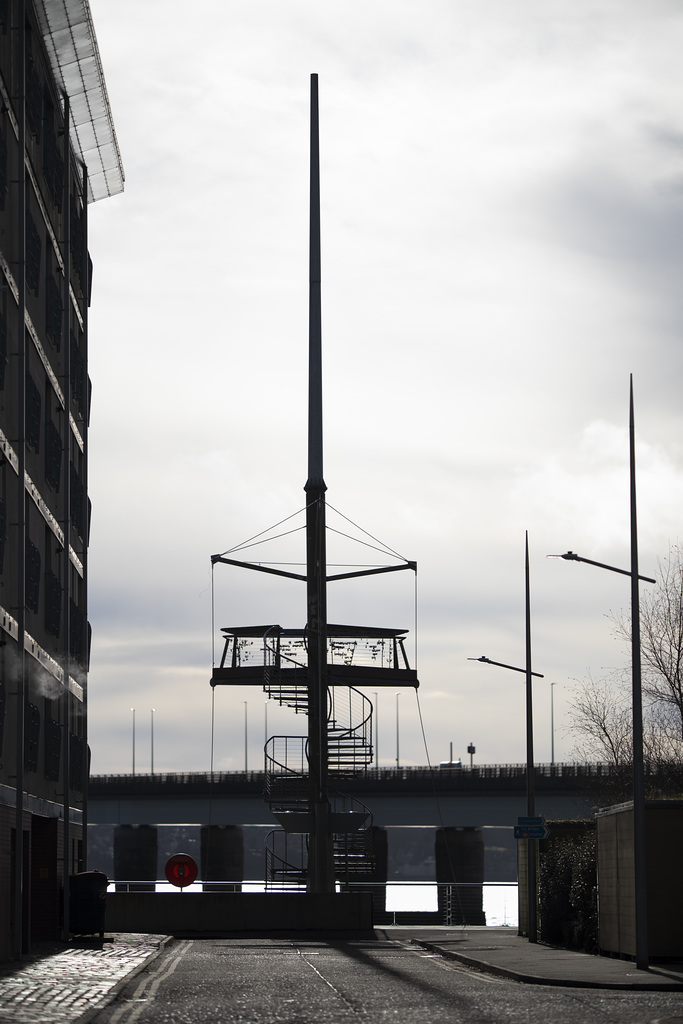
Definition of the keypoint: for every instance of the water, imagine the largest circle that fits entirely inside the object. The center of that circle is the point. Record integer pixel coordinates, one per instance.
(500, 900)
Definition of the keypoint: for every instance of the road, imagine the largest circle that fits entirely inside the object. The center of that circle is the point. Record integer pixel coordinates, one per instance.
(280, 981)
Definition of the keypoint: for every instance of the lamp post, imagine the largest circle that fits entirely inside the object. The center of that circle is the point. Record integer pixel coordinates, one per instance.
(639, 853)
(397, 761)
(133, 710)
(530, 789)
(552, 725)
(151, 737)
(245, 737)
(377, 730)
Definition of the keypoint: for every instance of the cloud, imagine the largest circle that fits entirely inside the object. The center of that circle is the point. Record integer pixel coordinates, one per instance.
(501, 223)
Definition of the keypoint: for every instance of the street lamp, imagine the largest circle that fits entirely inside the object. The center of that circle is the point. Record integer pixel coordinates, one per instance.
(552, 725)
(397, 696)
(376, 729)
(245, 737)
(133, 710)
(639, 849)
(152, 740)
(530, 789)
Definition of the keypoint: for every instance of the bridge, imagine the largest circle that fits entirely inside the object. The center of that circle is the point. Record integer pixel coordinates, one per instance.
(412, 796)
(448, 825)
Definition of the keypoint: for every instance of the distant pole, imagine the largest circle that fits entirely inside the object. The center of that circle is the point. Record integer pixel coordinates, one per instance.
(397, 757)
(530, 789)
(152, 740)
(246, 768)
(552, 725)
(639, 855)
(133, 710)
(376, 730)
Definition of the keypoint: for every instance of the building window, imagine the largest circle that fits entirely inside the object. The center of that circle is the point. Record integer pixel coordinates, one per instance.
(32, 576)
(53, 164)
(3, 169)
(34, 92)
(3, 532)
(77, 374)
(53, 748)
(33, 254)
(53, 603)
(53, 312)
(53, 455)
(31, 738)
(77, 622)
(3, 702)
(3, 348)
(77, 495)
(77, 238)
(33, 410)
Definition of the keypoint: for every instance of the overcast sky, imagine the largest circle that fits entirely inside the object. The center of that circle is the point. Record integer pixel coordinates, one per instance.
(502, 240)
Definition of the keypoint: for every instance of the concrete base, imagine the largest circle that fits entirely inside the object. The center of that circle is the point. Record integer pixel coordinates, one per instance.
(219, 913)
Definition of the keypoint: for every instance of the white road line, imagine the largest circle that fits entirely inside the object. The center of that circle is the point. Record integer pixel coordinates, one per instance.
(149, 986)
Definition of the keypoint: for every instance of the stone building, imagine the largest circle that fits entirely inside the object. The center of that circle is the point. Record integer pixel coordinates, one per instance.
(58, 153)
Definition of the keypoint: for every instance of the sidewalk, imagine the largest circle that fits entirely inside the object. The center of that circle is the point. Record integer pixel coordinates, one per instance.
(61, 984)
(501, 951)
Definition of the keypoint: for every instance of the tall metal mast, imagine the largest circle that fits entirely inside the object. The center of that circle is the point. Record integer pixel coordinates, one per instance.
(337, 745)
(320, 866)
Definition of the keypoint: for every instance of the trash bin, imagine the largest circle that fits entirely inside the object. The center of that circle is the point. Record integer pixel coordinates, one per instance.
(87, 902)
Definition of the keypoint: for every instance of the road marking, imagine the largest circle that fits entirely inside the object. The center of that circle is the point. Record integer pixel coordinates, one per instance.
(329, 984)
(450, 964)
(149, 986)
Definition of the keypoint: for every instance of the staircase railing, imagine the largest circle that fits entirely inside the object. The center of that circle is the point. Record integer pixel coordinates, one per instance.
(288, 781)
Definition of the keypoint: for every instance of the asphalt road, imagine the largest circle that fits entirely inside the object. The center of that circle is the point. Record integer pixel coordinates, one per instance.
(280, 981)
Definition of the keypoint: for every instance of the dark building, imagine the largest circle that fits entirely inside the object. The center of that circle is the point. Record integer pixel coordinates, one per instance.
(58, 153)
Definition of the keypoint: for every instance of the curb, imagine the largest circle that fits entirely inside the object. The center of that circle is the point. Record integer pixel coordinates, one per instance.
(534, 979)
(112, 995)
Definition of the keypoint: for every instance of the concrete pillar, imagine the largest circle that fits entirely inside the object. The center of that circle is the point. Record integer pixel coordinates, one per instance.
(221, 858)
(135, 857)
(374, 880)
(460, 860)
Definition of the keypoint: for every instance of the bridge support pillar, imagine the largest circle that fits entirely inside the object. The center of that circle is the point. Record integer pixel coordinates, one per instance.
(222, 858)
(374, 880)
(135, 857)
(460, 863)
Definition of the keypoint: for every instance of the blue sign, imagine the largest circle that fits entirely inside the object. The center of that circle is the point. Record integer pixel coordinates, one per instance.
(527, 822)
(531, 831)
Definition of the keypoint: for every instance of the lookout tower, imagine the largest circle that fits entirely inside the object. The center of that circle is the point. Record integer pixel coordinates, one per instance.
(318, 670)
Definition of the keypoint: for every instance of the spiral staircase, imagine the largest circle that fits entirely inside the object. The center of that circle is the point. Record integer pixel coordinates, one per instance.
(288, 781)
(276, 659)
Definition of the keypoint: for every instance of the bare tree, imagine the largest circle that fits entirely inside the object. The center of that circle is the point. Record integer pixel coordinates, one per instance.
(661, 644)
(602, 725)
(601, 721)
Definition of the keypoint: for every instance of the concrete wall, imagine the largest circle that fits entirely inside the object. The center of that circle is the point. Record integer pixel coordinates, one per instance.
(616, 893)
(220, 913)
(410, 809)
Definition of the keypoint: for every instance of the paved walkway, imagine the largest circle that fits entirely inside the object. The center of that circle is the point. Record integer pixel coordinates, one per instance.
(65, 986)
(502, 952)
(62, 985)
